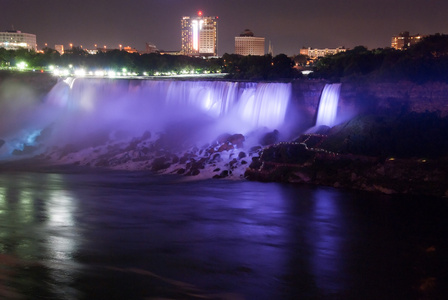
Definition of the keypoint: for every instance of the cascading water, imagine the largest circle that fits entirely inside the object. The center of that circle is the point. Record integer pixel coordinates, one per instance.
(77, 109)
(328, 105)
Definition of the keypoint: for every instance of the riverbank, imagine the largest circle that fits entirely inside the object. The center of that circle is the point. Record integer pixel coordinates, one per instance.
(296, 163)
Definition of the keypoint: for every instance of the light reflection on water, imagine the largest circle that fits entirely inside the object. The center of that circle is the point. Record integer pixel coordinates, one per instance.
(117, 235)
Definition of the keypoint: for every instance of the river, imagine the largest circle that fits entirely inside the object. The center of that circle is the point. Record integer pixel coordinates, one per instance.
(84, 234)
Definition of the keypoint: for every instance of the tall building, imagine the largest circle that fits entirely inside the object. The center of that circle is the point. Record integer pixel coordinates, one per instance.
(199, 35)
(59, 48)
(403, 40)
(248, 44)
(14, 40)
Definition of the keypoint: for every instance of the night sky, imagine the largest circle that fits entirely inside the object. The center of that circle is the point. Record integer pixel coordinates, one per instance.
(288, 24)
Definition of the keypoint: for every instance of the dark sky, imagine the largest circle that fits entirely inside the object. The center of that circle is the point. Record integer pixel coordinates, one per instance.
(288, 24)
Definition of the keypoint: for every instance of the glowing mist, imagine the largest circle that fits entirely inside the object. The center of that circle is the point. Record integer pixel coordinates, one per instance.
(90, 111)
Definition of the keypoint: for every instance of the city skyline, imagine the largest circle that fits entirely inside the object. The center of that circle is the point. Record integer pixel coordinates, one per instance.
(288, 26)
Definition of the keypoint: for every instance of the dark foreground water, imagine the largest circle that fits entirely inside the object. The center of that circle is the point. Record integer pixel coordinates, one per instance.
(118, 235)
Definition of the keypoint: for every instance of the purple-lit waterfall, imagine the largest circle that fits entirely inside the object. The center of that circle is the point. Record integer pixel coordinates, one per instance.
(328, 105)
(89, 111)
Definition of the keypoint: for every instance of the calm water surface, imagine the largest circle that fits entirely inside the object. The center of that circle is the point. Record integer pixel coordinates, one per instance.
(119, 235)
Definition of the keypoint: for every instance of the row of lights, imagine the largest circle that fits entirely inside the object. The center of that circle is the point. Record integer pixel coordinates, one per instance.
(80, 72)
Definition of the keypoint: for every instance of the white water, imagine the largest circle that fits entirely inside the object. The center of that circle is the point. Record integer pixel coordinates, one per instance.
(86, 110)
(328, 105)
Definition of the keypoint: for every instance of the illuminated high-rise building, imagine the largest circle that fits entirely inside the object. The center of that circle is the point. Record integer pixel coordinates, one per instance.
(404, 40)
(248, 44)
(59, 48)
(199, 35)
(14, 40)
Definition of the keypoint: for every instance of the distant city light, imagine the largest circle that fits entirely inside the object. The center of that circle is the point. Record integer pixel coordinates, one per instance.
(99, 73)
(80, 72)
(22, 65)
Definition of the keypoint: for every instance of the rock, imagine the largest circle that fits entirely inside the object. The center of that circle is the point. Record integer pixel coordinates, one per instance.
(237, 139)
(233, 162)
(193, 172)
(223, 138)
(270, 138)
(184, 158)
(224, 174)
(302, 176)
(287, 153)
(384, 190)
(226, 147)
(160, 163)
(255, 149)
(256, 163)
(241, 155)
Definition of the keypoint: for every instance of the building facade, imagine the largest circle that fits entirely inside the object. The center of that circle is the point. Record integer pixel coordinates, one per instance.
(316, 53)
(14, 40)
(404, 40)
(59, 48)
(150, 48)
(248, 44)
(199, 35)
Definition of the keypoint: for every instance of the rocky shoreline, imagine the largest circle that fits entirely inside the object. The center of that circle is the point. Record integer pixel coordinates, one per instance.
(230, 157)
(296, 163)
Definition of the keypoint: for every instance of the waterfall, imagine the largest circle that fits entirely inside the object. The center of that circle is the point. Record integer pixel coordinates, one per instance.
(253, 105)
(328, 105)
(76, 108)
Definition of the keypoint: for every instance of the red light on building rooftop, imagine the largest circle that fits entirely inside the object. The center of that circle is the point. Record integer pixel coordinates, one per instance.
(200, 13)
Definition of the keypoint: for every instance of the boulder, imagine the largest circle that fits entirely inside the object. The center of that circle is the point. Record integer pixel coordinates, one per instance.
(160, 163)
(270, 138)
(237, 139)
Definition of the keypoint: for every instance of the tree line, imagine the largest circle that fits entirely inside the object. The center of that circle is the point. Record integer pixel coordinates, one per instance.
(236, 66)
(422, 62)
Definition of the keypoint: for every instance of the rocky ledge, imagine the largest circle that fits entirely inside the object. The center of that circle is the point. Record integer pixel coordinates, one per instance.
(225, 157)
(302, 161)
